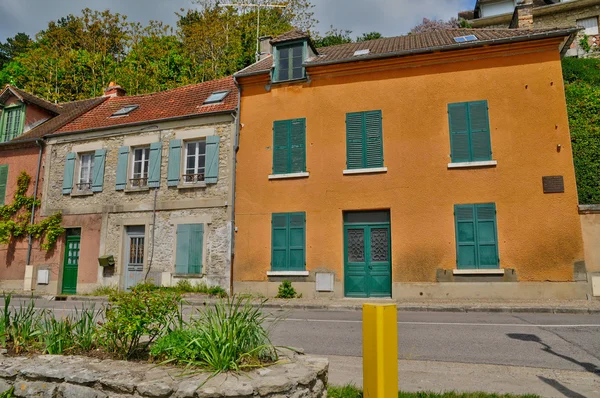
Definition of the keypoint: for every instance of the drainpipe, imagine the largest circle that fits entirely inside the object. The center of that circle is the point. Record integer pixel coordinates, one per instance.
(35, 190)
(236, 145)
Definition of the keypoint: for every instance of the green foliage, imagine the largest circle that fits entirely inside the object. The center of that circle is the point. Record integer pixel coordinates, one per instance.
(8, 394)
(104, 291)
(369, 36)
(229, 337)
(15, 218)
(144, 313)
(584, 43)
(286, 290)
(349, 391)
(582, 89)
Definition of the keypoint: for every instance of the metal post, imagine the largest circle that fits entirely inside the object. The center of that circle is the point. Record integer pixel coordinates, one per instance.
(380, 351)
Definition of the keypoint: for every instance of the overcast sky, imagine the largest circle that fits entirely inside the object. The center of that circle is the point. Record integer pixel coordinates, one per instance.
(390, 17)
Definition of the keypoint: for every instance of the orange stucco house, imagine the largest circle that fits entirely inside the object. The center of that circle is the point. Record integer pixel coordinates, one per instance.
(429, 165)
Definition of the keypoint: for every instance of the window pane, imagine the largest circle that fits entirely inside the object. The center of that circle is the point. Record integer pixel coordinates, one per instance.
(201, 160)
(298, 50)
(284, 53)
(191, 163)
(137, 154)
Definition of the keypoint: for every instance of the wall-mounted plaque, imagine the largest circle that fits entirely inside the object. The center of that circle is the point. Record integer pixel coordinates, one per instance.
(553, 184)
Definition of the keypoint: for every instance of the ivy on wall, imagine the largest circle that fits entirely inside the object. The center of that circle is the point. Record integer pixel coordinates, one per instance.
(15, 218)
(582, 89)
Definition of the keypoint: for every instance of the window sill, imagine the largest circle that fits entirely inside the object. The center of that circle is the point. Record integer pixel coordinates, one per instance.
(485, 163)
(303, 174)
(281, 82)
(192, 186)
(131, 190)
(288, 273)
(83, 193)
(189, 276)
(372, 170)
(496, 271)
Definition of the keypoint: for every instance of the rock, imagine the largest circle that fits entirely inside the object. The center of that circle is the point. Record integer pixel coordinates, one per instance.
(72, 391)
(188, 388)
(4, 386)
(120, 383)
(207, 392)
(84, 376)
(53, 373)
(301, 393)
(317, 390)
(38, 389)
(154, 389)
(273, 384)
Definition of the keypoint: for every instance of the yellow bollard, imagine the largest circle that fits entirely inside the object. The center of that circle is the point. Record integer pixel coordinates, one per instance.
(380, 351)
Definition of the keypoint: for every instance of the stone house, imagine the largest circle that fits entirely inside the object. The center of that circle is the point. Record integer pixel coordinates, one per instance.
(145, 186)
(432, 165)
(24, 120)
(539, 14)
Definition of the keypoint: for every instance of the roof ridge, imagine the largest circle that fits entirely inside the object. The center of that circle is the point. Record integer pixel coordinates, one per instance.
(21, 91)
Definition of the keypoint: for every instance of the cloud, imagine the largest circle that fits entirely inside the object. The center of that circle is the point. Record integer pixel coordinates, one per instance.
(389, 17)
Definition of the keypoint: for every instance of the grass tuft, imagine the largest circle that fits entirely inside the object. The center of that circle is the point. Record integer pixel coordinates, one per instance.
(350, 391)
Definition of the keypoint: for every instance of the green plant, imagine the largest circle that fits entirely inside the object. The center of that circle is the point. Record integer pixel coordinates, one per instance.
(85, 328)
(24, 327)
(15, 218)
(286, 290)
(350, 391)
(229, 337)
(142, 314)
(57, 334)
(584, 43)
(8, 393)
(217, 291)
(104, 291)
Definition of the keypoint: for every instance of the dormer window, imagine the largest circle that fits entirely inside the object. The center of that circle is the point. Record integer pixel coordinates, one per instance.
(11, 122)
(289, 60)
(124, 111)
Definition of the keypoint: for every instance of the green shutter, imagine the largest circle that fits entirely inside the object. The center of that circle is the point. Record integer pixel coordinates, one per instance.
(297, 239)
(279, 242)
(354, 141)
(195, 253)
(98, 172)
(21, 126)
(373, 139)
(174, 169)
(3, 183)
(298, 145)
(481, 148)
(68, 175)
(183, 249)
(459, 132)
(154, 164)
(211, 173)
(476, 236)
(288, 242)
(281, 146)
(487, 236)
(122, 163)
(13, 120)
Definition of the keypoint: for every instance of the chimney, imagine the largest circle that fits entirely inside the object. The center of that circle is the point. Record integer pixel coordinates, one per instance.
(114, 90)
(523, 15)
(265, 46)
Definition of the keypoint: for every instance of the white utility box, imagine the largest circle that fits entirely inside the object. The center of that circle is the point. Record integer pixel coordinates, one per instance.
(324, 282)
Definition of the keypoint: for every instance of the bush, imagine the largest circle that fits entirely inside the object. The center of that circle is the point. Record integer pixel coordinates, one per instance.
(143, 313)
(230, 336)
(286, 290)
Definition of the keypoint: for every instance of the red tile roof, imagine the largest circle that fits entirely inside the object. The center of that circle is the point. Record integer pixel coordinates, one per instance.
(176, 103)
(30, 98)
(419, 43)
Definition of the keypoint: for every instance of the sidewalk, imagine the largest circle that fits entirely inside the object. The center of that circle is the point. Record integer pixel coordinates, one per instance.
(415, 376)
(458, 305)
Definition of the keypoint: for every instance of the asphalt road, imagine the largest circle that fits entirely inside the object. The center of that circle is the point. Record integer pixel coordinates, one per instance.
(552, 341)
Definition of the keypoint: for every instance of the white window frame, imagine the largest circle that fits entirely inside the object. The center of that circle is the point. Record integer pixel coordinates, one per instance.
(145, 169)
(587, 30)
(89, 168)
(197, 155)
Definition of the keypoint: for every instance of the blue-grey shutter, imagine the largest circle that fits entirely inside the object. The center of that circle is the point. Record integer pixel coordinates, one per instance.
(281, 146)
(212, 159)
(459, 132)
(154, 164)
(373, 139)
(196, 246)
(121, 177)
(98, 172)
(183, 249)
(481, 148)
(68, 175)
(174, 168)
(354, 141)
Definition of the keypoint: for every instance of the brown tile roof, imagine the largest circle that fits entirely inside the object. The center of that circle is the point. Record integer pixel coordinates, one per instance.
(294, 34)
(30, 98)
(439, 40)
(175, 103)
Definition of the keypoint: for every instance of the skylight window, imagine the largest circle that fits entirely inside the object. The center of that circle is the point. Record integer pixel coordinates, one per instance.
(124, 111)
(463, 39)
(216, 97)
(361, 52)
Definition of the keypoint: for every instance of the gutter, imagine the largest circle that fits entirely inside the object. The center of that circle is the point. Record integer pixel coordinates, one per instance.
(134, 124)
(236, 146)
(40, 143)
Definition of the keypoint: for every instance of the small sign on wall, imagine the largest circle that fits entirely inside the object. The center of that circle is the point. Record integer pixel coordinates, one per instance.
(553, 184)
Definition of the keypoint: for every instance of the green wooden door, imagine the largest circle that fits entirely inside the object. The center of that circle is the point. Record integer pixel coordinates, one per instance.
(367, 265)
(70, 265)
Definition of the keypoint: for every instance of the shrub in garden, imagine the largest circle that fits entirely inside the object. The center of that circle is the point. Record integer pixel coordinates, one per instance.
(145, 313)
(286, 290)
(230, 336)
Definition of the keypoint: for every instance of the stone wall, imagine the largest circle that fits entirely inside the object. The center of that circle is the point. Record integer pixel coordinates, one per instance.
(56, 376)
(208, 204)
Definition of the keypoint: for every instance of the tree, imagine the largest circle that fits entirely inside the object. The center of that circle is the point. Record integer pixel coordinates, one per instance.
(369, 36)
(436, 24)
(333, 37)
(13, 47)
